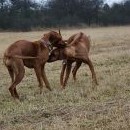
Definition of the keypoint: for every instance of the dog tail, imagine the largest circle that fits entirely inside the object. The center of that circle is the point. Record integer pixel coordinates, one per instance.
(25, 57)
(20, 57)
(76, 39)
(8, 60)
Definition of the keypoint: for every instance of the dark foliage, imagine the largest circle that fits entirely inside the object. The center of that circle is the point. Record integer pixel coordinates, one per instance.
(24, 15)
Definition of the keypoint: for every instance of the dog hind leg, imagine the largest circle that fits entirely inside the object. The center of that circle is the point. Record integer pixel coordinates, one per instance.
(88, 61)
(18, 77)
(11, 72)
(75, 69)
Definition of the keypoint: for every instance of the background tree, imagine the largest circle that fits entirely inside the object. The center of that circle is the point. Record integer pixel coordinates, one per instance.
(4, 9)
(23, 15)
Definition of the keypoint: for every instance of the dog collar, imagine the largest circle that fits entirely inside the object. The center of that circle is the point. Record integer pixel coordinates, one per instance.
(47, 44)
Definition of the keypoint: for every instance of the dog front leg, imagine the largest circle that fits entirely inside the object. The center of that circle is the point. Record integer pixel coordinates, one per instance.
(45, 78)
(68, 70)
(62, 72)
(39, 77)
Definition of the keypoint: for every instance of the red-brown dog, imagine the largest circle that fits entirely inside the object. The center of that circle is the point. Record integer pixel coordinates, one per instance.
(32, 55)
(77, 50)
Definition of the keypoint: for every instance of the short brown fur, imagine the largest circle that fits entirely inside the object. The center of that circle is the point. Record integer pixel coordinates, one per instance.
(32, 55)
(77, 50)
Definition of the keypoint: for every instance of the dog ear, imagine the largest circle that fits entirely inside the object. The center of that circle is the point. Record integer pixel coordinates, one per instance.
(59, 32)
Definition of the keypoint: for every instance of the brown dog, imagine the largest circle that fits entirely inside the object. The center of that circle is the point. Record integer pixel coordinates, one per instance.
(67, 62)
(32, 55)
(77, 50)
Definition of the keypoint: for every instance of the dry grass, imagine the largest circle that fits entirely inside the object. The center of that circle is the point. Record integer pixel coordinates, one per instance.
(78, 107)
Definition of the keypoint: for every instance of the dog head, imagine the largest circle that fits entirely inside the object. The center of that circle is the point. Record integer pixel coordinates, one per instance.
(55, 39)
(56, 54)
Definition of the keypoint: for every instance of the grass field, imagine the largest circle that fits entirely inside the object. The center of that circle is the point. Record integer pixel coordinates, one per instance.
(78, 107)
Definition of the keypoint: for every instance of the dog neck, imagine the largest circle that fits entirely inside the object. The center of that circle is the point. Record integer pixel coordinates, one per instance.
(47, 44)
(62, 55)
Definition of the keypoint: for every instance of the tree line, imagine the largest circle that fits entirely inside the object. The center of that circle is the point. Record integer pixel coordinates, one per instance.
(23, 15)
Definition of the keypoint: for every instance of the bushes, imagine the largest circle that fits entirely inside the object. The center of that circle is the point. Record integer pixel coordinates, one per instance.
(22, 15)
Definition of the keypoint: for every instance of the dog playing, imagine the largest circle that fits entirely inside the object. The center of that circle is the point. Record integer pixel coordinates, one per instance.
(77, 50)
(33, 55)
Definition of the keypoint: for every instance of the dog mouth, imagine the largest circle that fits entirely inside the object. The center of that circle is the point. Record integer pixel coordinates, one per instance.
(51, 60)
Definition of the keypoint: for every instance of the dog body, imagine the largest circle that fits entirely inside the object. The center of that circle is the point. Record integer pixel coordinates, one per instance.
(32, 55)
(27, 49)
(77, 50)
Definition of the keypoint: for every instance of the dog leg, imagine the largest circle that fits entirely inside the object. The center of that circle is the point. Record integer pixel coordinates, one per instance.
(74, 71)
(45, 78)
(62, 73)
(18, 78)
(68, 70)
(39, 77)
(11, 73)
(88, 61)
